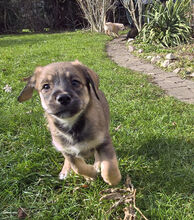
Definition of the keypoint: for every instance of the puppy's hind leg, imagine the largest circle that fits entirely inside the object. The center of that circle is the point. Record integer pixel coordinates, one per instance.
(116, 32)
(115, 35)
(109, 165)
(109, 33)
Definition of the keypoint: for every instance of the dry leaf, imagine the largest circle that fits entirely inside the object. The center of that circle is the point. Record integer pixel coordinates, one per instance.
(22, 213)
(174, 123)
(114, 196)
(79, 187)
(117, 128)
(85, 186)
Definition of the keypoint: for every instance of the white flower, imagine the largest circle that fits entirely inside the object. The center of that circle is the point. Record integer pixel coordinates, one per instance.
(7, 88)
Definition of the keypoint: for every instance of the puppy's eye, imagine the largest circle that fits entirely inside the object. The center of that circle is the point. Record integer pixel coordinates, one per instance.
(75, 83)
(46, 86)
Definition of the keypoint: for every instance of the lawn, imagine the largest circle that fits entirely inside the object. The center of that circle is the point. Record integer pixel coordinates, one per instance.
(153, 135)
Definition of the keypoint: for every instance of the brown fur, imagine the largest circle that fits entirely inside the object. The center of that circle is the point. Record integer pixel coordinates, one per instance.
(78, 118)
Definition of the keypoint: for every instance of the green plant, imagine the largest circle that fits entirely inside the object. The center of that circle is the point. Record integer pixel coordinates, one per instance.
(168, 25)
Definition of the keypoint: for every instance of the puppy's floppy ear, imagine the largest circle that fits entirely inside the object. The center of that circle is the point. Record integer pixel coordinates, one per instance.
(27, 92)
(90, 76)
(90, 81)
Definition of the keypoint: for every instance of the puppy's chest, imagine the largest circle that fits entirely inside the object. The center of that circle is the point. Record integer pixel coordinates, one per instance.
(75, 141)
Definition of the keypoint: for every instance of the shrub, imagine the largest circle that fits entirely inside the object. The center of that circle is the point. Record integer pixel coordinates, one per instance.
(168, 24)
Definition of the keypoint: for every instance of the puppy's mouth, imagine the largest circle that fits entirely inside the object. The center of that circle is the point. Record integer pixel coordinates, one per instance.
(67, 111)
(61, 114)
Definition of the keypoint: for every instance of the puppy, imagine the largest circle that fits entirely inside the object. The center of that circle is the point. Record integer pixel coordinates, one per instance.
(112, 28)
(78, 117)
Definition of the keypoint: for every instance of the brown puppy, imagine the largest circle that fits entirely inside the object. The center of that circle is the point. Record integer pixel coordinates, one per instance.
(78, 118)
(112, 28)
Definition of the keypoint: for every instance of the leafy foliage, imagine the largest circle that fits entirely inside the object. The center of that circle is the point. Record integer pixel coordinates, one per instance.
(41, 15)
(168, 25)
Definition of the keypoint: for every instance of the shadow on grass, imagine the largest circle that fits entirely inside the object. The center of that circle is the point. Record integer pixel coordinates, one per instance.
(14, 42)
(24, 39)
(163, 164)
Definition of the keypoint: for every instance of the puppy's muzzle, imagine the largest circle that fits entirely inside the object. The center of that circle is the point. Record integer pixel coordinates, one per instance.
(63, 99)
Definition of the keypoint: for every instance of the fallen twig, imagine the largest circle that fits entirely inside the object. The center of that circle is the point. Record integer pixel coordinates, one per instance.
(126, 196)
(114, 196)
(134, 205)
(129, 213)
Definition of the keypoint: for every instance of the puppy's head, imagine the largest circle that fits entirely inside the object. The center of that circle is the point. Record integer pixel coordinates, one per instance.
(65, 89)
(122, 27)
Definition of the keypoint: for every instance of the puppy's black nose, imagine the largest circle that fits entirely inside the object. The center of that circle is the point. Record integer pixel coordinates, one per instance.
(63, 99)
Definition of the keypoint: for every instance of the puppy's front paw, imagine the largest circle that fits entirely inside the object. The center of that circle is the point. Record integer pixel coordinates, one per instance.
(97, 167)
(88, 179)
(110, 173)
(63, 176)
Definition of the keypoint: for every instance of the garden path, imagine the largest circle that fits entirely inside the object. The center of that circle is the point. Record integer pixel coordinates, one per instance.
(170, 82)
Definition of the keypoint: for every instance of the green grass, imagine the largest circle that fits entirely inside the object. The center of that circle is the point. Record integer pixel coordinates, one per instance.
(154, 144)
